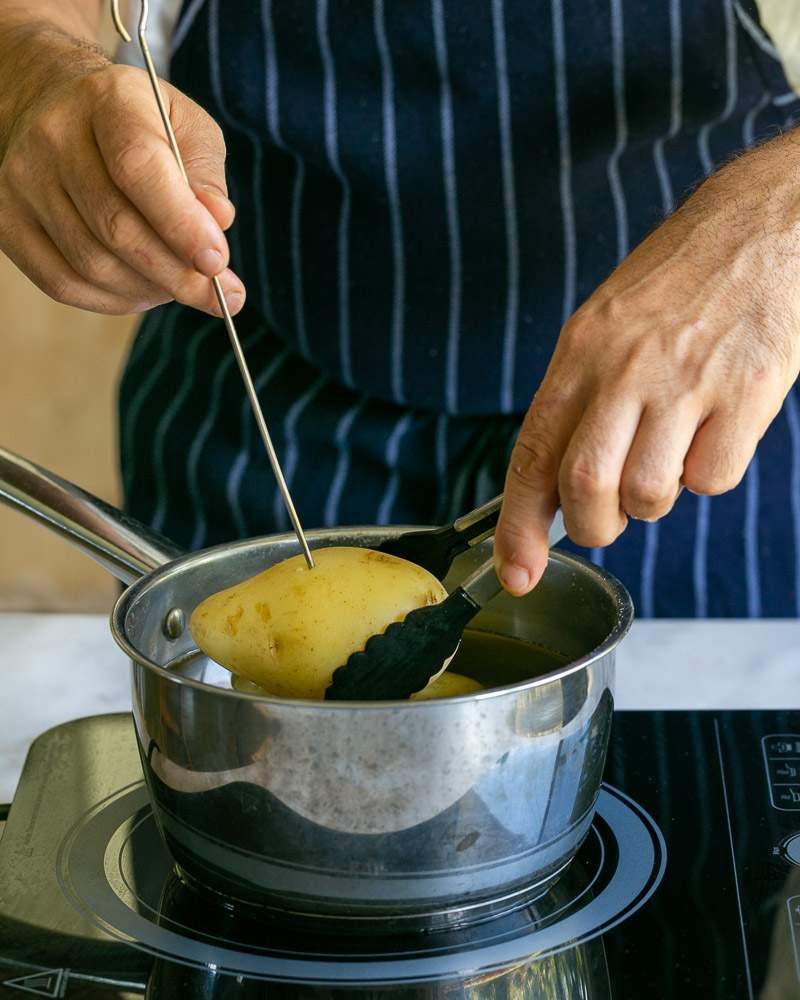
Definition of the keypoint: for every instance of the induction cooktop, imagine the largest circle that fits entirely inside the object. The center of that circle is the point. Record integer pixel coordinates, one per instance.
(688, 885)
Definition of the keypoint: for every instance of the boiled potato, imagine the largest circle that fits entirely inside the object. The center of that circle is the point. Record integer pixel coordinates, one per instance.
(447, 685)
(290, 627)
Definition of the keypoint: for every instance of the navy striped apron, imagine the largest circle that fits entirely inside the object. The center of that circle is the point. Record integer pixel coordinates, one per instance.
(426, 190)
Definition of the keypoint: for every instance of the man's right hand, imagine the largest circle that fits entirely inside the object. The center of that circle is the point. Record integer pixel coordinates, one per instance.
(93, 208)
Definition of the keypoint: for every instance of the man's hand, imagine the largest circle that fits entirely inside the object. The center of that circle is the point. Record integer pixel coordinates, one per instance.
(93, 207)
(670, 373)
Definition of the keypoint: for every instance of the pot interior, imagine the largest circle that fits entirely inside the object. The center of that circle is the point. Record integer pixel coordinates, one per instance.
(575, 609)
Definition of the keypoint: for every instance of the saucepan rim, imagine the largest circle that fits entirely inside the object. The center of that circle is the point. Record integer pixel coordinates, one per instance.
(615, 589)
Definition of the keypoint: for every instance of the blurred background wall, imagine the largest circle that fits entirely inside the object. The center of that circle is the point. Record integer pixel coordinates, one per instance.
(58, 384)
(57, 406)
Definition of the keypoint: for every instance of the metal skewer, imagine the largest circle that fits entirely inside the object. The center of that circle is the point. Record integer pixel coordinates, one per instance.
(228, 319)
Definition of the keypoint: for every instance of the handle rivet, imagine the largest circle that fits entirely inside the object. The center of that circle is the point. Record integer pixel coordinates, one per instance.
(174, 623)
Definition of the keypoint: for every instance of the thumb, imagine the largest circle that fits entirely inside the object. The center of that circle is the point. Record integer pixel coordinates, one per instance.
(530, 499)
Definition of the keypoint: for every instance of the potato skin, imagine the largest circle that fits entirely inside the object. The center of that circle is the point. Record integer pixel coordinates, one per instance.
(287, 629)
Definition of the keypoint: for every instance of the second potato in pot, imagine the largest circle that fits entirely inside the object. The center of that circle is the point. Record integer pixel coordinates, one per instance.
(287, 629)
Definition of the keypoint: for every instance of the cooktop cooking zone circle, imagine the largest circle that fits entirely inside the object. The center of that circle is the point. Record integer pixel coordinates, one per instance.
(114, 869)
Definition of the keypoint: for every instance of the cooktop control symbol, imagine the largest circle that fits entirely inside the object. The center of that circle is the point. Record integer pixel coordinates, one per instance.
(47, 983)
(782, 763)
(790, 849)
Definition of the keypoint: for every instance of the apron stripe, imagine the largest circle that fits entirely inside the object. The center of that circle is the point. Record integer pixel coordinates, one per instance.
(751, 559)
(451, 206)
(731, 89)
(565, 154)
(676, 105)
(195, 451)
(164, 425)
(185, 23)
(332, 150)
(215, 74)
(793, 421)
(343, 428)
(749, 126)
(274, 129)
(393, 193)
(291, 456)
(612, 167)
(649, 558)
(700, 561)
(755, 32)
(240, 465)
(510, 210)
(161, 334)
(297, 256)
(384, 513)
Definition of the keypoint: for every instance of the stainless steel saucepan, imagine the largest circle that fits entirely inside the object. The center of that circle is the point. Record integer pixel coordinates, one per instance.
(387, 813)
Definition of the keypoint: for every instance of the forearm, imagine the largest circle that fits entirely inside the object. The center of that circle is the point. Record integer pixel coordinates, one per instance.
(43, 42)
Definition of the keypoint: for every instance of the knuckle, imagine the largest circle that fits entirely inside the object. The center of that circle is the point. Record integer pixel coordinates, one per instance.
(48, 129)
(644, 493)
(118, 228)
(712, 479)
(583, 478)
(133, 164)
(58, 287)
(16, 170)
(116, 82)
(97, 267)
(576, 332)
(532, 460)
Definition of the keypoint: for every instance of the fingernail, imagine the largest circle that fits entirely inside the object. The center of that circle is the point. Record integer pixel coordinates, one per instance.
(514, 578)
(208, 262)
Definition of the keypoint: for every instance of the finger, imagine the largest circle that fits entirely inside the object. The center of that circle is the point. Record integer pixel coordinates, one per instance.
(531, 491)
(590, 473)
(89, 258)
(146, 171)
(721, 450)
(201, 142)
(220, 207)
(651, 479)
(120, 227)
(31, 249)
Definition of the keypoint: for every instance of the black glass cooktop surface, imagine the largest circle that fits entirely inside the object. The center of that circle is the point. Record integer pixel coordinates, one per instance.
(687, 886)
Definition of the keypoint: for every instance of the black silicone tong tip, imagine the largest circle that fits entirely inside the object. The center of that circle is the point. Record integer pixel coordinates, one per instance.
(435, 548)
(400, 661)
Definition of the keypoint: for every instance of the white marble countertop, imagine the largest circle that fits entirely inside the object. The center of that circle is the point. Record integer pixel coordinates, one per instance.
(60, 667)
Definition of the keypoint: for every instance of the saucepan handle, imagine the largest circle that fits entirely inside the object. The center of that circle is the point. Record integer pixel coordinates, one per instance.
(124, 546)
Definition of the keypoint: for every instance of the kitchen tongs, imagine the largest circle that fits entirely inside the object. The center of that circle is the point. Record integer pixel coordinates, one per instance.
(401, 660)
(436, 548)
